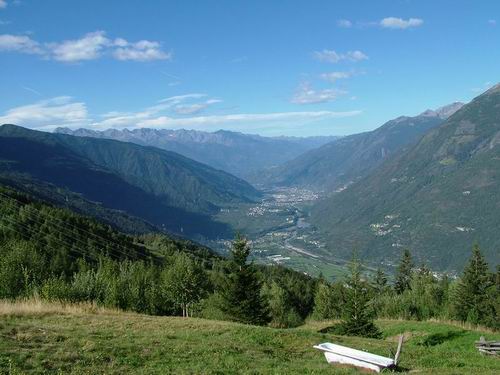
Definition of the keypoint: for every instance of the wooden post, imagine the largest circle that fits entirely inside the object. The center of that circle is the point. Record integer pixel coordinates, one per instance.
(398, 352)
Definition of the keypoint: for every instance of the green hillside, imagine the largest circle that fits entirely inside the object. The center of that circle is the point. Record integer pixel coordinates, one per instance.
(69, 284)
(436, 198)
(164, 188)
(59, 255)
(236, 153)
(350, 158)
(51, 339)
(61, 238)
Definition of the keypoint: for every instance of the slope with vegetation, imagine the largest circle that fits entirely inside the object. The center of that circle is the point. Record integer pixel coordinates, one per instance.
(164, 188)
(58, 255)
(437, 197)
(49, 338)
(237, 153)
(340, 163)
(63, 265)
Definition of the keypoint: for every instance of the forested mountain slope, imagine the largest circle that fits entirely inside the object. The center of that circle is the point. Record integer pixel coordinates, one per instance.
(435, 198)
(344, 161)
(164, 188)
(237, 153)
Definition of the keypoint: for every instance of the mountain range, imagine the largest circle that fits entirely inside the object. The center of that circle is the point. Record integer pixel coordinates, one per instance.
(338, 164)
(428, 182)
(436, 197)
(236, 153)
(161, 187)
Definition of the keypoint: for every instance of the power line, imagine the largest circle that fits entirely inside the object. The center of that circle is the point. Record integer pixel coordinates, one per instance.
(67, 226)
(71, 246)
(32, 230)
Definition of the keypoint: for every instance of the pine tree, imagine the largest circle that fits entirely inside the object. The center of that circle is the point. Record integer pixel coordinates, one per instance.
(472, 302)
(283, 314)
(325, 304)
(496, 298)
(404, 274)
(357, 314)
(241, 294)
(380, 281)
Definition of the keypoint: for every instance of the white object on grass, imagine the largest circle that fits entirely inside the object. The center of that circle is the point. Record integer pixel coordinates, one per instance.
(358, 358)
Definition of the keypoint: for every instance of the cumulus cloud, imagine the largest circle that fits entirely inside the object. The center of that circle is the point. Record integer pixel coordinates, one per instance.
(399, 23)
(20, 44)
(89, 47)
(332, 56)
(335, 76)
(344, 23)
(48, 114)
(305, 94)
(143, 50)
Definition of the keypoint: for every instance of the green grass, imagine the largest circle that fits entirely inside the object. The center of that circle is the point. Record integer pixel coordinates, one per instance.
(76, 341)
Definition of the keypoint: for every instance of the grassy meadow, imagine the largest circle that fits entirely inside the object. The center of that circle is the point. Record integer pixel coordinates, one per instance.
(37, 337)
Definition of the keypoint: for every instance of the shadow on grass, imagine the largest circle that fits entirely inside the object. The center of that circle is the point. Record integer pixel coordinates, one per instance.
(439, 338)
(369, 330)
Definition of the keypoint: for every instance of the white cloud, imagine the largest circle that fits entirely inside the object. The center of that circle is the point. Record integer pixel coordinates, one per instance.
(48, 114)
(332, 56)
(89, 47)
(399, 23)
(64, 111)
(143, 50)
(187, 104)
(3, 4)
(153, 117)
(20, 44)
(264, 119)
(189, 109)
(179, 98)
(335, 76)
(344, 23)
(305, 94)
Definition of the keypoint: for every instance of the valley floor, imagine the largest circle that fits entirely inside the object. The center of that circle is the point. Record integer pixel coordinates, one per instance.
(280, 234)
(46, 338)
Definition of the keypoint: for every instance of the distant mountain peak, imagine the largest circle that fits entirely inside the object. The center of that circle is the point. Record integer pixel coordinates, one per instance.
(493, 89)
(234, 152)
(443, 112)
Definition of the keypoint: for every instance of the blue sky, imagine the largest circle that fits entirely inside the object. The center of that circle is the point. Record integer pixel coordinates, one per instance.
(268, 67)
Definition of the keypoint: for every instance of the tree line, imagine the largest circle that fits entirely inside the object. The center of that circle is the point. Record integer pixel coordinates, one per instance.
(56, 254)
(59, 255)
(416, 293)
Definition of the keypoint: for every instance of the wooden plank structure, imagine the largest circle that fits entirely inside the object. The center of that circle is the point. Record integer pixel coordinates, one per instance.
(488, 347)
(338, 354)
